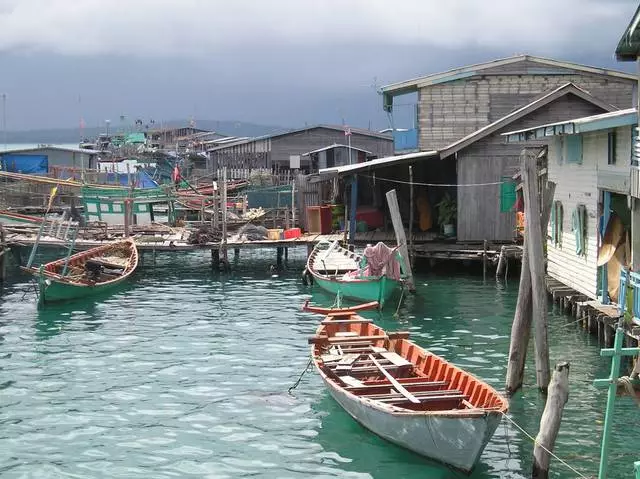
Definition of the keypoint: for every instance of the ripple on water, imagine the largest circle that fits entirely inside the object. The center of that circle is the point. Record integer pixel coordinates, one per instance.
(183, 373)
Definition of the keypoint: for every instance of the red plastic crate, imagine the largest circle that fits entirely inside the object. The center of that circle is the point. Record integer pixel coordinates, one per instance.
(292, 233)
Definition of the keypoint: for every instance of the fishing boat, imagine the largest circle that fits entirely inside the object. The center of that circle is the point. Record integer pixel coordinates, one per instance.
(404, 393)
(88, 272)
(11, 218)
(372, 276)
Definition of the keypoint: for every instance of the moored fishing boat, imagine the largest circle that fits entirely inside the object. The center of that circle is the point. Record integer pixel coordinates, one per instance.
(88, 272)
(373, 276)
(404, 393)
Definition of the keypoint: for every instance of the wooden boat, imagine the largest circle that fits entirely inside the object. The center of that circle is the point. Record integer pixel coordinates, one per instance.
(9, 217)
(88, 272)
(405, 393)
(335, 268)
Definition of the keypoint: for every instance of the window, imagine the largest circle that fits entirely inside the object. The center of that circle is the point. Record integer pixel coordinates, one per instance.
(611, 148)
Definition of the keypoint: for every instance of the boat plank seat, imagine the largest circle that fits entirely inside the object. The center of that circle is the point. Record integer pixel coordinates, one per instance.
(358, 339)
(346, 321)
(399, 335)
(419, 394)
(103, 262)
(346, 334)
(396, 359)
(350, 380)
(347, 361)
(366, 386)
(425, 399)
(341, 314)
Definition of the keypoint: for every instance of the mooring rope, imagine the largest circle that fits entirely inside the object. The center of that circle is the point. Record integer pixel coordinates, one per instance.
(295, 385)
(575, 471)
(399, 302)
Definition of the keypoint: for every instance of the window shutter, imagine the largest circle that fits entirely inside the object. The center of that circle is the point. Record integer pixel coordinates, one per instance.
(573, 145)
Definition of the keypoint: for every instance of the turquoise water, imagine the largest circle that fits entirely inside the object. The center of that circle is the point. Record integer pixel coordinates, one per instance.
(184, 373)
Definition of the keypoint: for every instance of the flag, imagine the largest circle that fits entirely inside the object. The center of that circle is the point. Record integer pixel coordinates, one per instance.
(82, 123)
(54, 190)
(347, 131)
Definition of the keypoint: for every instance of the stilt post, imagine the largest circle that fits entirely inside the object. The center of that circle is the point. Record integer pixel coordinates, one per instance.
(550, 420)
(533, 234)
(411, 252)
(401, 240)
(521, 329)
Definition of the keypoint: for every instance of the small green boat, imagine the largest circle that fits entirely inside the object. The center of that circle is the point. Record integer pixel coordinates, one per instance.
(86, 273)
(349, 275)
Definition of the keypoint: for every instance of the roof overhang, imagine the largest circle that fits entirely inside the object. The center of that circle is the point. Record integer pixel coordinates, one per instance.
(378, 163)
(628, 48)
(571, 127)
(335, 145)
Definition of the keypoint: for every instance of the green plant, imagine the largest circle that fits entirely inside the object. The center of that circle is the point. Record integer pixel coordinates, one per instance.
(447, 210)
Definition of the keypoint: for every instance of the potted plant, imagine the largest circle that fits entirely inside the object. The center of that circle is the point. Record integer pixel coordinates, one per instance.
(447, 210)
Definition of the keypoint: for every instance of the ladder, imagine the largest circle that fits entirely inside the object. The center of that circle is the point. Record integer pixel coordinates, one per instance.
(62, 229)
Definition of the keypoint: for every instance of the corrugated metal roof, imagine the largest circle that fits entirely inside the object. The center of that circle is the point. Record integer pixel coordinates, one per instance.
(354, 131)
(377, 163)
(50, 147)
(335, 145)
(453, 74)
(574, 126)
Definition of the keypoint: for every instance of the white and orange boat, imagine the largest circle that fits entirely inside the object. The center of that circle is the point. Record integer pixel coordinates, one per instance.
(402, 392)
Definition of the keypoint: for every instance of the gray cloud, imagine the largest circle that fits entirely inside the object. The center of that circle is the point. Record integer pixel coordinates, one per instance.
(274, 62)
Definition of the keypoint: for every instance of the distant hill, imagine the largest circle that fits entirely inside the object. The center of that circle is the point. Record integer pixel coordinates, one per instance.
(72, 135)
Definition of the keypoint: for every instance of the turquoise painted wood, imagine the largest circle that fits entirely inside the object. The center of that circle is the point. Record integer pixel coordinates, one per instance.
(53, 291)
(364, 289)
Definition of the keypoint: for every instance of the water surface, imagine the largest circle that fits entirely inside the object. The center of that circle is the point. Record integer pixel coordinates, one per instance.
(184, 373)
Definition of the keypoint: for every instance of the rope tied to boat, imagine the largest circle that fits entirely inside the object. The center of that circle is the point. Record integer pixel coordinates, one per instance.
(295, 385)
(561, 461)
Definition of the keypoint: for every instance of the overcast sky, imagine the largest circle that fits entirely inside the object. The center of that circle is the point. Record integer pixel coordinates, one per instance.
(276, 62)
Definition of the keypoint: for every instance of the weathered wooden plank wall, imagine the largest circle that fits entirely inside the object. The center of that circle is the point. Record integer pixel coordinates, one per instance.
(488, 160)
(452, 110)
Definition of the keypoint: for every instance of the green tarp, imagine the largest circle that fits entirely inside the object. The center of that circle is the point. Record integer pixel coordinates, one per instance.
(507, 194)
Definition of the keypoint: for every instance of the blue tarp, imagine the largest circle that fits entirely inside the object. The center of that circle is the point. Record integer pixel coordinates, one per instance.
(142, 179)
(28, 164)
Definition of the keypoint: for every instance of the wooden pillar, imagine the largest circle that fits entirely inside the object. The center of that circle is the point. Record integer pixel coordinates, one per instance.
(236, 253)
(224, 215)
(536, 266)
(128, 206)
(279, 253)
(502, 261)
(521, 329)
(604, 278)
(286, 254)
(215, 259)
(401, 240)
(354, 208)
(3, 255)
(484, 260)
(411, 207)
(550, 420)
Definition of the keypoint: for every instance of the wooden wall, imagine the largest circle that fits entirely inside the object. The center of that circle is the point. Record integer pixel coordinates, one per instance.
(488, 160)
(452, 110)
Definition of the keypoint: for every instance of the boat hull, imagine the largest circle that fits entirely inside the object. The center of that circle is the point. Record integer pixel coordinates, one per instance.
(52, 290)
(456, 441)
(375, 289)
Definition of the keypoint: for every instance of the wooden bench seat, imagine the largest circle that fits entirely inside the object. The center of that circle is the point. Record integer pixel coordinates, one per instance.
(346, 321)
(407, 385)
(449, 397)
(418, 394)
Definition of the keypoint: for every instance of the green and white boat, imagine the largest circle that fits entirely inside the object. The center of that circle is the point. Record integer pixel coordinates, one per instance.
(372, 276)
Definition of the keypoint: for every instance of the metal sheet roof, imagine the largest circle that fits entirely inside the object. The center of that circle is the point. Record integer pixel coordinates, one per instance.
(377, 163)
(470, 70)
(577, 125)
(50, 147)
(335, 145)
(629, 45)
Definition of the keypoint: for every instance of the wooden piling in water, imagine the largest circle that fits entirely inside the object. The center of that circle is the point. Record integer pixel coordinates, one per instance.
(536, 266)
(3, 255)
(411, 206)
(521, 329)
(401, 239)
(550, 420)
